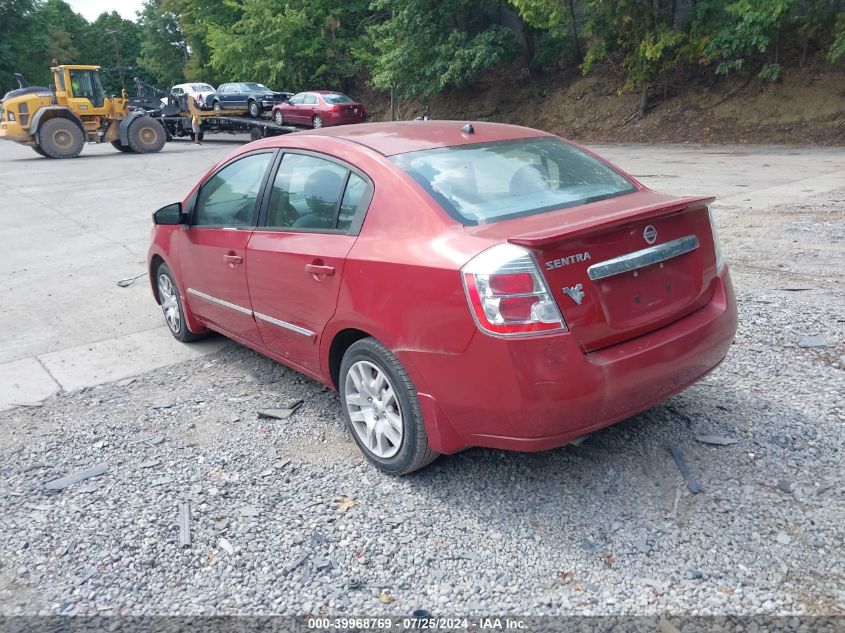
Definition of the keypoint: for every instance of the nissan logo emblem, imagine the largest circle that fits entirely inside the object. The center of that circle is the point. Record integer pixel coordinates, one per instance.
(650, 234)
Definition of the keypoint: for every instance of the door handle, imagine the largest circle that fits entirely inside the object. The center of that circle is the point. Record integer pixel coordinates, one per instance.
(233, 260)
(316, 269)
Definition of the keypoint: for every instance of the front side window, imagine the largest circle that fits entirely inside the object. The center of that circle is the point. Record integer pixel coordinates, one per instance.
(228, 198)
(86, 84)
(310, 99)
(489, 182)
(306, 193)
(296, 99)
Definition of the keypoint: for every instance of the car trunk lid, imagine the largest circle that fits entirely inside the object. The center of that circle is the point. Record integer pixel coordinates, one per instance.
(619, 270)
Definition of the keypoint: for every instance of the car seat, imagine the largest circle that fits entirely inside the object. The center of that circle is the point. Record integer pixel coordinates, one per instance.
(322, 191)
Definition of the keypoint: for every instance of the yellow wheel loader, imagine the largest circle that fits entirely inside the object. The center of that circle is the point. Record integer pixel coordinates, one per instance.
(57, 121)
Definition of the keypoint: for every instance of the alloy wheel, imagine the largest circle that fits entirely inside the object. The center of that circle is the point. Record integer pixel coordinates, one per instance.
(374, 409)
(169, 303)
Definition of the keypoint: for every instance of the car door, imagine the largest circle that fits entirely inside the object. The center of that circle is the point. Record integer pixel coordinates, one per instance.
(309, 109)
(224, 95)
(213, 246)
(311, 218)
(292, 108)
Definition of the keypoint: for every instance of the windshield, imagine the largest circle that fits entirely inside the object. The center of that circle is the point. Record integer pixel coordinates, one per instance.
(202, 88)
(337, 98)
(489, 182)
(255, 86)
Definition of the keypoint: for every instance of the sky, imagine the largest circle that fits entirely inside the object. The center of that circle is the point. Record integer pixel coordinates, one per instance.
(91, 9)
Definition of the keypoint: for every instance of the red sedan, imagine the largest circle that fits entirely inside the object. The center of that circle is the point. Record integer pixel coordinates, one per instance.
(319, 108)
(459, 285)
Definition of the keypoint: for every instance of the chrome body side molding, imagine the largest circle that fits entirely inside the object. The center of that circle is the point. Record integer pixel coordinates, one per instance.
(285, 325)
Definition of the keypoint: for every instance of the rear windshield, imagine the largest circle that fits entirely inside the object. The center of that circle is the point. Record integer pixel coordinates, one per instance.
(337, 98)
(202, 88)
(488, 182)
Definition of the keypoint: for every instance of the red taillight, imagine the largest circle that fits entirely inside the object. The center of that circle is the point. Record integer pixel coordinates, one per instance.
(511, 284)
(336, 108)
(517, 308)
(507, 293)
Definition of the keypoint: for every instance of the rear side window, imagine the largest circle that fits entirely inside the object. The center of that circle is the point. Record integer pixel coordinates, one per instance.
(356, 188)
(228, 197)
(314, 194)
(489, 182)
(305, 193)
(337, 98)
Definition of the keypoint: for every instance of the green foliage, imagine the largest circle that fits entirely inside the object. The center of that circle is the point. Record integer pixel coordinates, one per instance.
(418, 47)
(20, 42)
(163, 47)
(637, 35)
(749, 28)
(426, 45)
(293, 45)
(837, 48)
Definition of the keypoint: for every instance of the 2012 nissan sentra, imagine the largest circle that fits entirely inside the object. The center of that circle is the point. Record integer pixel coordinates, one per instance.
(458, 284)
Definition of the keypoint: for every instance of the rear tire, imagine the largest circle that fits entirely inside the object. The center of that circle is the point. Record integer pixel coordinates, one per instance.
(317, 122)
(171, 305)
(39, 151)
(376, 406)
(279, 117)
(60, 138)
(256, 134)
(146, 135)
(254, 110)
(121, 147)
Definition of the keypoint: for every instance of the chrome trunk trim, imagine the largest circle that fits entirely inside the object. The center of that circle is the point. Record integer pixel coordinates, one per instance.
(643, 258)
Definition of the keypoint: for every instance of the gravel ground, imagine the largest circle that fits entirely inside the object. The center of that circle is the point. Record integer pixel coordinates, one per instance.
(287, 517)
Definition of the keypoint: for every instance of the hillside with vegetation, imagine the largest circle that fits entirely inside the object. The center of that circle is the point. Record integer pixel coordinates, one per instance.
(672, 70)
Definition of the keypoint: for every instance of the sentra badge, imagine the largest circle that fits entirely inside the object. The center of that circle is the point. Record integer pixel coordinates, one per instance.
(565, 261)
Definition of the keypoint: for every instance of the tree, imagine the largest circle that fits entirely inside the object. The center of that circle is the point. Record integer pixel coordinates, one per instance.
(164, 51)
(294, 44)
(750, 29)
(426, 45)
(640, 35)
(66, 31)
(20, 42)
(113, 43)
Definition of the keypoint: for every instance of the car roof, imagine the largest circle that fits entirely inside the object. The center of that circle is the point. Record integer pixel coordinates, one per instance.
(399, 137)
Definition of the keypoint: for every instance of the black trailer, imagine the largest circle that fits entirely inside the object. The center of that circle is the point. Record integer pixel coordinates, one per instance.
(176, 116)
(180, 125)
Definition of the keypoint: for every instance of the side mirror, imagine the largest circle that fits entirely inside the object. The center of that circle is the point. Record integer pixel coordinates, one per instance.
(171, 214)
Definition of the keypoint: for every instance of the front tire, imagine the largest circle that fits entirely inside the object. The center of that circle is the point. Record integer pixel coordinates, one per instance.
(382, 410)
(171, 306)
(39, 151)
(317, 122)
(216, 106)
(146, 135)
(254, 109)
(61, 138)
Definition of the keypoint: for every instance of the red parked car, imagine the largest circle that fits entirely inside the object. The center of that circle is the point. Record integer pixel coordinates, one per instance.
(459, 285)
(319, 108)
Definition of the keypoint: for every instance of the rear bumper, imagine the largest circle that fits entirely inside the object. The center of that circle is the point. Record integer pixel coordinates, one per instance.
(343, 119)
(539, 393)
